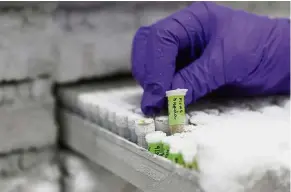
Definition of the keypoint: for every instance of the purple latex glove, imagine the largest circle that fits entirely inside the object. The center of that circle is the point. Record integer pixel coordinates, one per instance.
(207, 47)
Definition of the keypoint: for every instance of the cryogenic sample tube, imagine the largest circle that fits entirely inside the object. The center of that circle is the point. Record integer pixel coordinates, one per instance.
(111, 119)
(143, 127)
(166, 145)
(189, 128)
(93, 110)
(154, 141)
(121, 123)
(132, 117)
(190, 157)
(175, 152)
(162, 124)
(202, 118)
(176, 110)
(103, 115)
(94, 107)
(121, 99)
(85, 101)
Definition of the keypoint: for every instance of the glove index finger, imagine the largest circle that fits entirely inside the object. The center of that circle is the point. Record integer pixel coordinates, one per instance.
(161, 52)
(164, 40)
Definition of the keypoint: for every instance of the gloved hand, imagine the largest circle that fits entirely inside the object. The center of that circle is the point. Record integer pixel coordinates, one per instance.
(206, 47)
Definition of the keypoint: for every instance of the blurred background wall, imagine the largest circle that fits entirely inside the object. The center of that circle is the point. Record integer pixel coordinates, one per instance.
(73, 40)
(59, 42)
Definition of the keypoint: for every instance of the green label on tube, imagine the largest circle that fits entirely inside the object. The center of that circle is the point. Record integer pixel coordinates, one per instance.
(176, 107)
(193, 165)
(176, 158)
(155, 148)
(166, 149)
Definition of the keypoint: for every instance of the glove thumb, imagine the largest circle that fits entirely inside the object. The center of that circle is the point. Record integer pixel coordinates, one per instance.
(201, 77)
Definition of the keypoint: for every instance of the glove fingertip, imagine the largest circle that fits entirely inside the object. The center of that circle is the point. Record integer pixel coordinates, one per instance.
(151, 104)
(179, 83)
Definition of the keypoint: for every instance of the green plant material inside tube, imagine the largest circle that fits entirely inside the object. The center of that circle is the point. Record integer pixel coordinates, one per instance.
(156, 148)
(176, 158)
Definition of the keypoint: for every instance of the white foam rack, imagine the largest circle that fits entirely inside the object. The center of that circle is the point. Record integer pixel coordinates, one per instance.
(89, 127)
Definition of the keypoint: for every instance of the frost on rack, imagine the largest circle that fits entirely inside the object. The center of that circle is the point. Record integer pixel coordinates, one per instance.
(239, 141)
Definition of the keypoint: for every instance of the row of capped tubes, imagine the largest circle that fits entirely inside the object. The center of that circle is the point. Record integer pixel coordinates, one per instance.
(110, 110)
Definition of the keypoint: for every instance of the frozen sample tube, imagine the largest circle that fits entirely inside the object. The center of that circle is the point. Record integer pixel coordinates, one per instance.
(176, 108)
(121, 99)
(166, 145)
(154, 141)
(121, 123)
(132, 117)
(143, 127)
(95, 112)
(103, 114)
(111, 120)
(92, 109)
(162, 124)
(202, 118)
(131, 97)
(189, 128)
(85, 102)
(175, 152)
(190, 157)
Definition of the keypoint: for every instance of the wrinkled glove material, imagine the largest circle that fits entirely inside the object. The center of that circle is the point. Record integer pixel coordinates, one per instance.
(211, 48)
